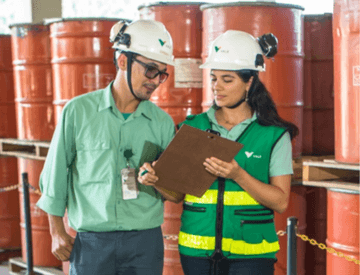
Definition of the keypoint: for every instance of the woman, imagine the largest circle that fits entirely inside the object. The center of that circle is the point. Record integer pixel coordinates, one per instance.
(230, 229)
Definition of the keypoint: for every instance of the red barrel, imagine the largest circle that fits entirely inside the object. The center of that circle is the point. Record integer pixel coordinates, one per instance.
(283, 77)
(316, 208)
(307, 129)
(296, 208)
(81, 57)
(41, 237)
(33, 84)
(9, 201)
(72, 233)
(181, 94)
(33, 89)
(318, 128)
(346, 33)
(343, 231)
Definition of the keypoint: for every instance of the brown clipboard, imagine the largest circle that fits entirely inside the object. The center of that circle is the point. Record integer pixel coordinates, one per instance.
(180, 167)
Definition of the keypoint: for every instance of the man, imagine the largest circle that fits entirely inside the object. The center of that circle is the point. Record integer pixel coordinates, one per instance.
(94, 157)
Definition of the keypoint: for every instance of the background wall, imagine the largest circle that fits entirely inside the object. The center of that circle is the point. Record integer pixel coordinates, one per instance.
(27, 11)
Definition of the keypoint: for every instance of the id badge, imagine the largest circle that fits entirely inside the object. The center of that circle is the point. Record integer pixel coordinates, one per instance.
(129, 185)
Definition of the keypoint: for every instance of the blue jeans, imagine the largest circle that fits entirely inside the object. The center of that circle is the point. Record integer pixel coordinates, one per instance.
(118, 253)
(206, 266)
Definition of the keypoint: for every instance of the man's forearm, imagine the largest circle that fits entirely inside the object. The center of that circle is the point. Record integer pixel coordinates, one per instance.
(56, 224)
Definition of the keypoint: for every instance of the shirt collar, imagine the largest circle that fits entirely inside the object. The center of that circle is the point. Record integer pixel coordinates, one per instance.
(211, 115)
(107, 100)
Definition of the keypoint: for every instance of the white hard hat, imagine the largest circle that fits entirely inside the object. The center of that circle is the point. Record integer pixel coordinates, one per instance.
(235, 50)
(148, 38)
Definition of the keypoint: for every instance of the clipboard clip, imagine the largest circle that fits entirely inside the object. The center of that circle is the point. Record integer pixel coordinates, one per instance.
(213, 132)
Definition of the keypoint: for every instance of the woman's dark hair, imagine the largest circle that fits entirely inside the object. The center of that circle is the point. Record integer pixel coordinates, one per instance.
(261, 102)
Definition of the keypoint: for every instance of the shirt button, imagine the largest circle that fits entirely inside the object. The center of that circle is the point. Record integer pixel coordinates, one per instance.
(118, 202)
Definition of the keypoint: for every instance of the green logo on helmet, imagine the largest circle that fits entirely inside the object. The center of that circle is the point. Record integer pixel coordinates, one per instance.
(162, 42)
(217, 48)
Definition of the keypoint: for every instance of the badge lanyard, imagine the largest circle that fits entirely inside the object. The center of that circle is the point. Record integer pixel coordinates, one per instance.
(129, 186)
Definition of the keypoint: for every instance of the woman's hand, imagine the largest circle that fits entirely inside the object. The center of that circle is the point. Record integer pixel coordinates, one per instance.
(147, 175)
(221, 168)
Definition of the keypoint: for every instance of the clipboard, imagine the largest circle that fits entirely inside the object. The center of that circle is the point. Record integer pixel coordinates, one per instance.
(180, 167)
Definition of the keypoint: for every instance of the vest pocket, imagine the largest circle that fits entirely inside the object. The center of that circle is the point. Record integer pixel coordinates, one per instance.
(255, 231)
(194, 208)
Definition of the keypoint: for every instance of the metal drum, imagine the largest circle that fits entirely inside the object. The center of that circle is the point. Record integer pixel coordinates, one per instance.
(41, 237)
(9, 200)
(72, 233)
(343, 231)
(318, 128)
(296, 208)
(283, 77)
(32, 77)
(346, 33)
(181, 94)
(33, 89)
(81, 57)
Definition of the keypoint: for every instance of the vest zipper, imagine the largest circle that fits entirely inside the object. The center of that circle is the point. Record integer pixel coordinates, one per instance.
(219, 216)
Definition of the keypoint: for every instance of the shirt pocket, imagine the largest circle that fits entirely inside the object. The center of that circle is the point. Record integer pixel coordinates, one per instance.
(94, 160)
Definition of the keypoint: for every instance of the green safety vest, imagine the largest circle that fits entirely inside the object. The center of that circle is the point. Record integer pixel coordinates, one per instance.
(226, 218)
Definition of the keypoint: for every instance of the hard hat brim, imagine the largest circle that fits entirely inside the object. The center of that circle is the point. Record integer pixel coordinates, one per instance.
(229, 67)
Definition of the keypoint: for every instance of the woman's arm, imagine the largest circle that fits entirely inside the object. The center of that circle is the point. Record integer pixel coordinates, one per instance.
(274, 195)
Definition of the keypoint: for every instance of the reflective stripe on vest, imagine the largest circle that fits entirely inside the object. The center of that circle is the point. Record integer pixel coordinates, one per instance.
(230, 245)
(230, 198)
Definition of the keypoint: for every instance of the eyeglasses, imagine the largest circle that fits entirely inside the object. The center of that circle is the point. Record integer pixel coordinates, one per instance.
(151, 72)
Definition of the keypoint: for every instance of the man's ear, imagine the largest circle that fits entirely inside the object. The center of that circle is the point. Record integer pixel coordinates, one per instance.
(122, 62)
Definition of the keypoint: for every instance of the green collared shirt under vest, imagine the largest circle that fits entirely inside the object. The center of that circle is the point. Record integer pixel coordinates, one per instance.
(82, 171)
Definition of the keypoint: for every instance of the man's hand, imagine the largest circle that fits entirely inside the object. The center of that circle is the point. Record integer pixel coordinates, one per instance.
(62, 245)
(147, 174)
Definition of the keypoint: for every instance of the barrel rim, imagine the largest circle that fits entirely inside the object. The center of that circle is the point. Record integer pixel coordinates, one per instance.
(5, 35)
(26, 25)
(158, 4)
(264, 4)
(317, 16)
(346, 191)
(71, 19)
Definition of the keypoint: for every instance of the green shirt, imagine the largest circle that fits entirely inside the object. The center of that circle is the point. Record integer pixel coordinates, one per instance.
(281, 156)
(82, 171)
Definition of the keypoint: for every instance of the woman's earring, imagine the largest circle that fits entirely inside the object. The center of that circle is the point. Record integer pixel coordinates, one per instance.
(246, 96)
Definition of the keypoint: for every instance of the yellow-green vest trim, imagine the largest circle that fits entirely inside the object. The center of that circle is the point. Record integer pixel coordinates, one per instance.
(240, 227)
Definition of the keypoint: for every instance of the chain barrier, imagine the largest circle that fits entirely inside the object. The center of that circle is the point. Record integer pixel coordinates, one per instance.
(16, 186)
(305, 238)
(329, 250)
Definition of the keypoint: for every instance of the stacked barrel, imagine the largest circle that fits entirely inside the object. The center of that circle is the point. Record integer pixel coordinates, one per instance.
(35, 121)
(9, 200)
(82, 61)
(318, 127)
(180, 95)
(81, 58)
(343, 205)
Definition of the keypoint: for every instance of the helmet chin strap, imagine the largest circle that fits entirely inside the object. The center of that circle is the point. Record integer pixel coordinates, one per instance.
(129, 56)
(244, 99)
